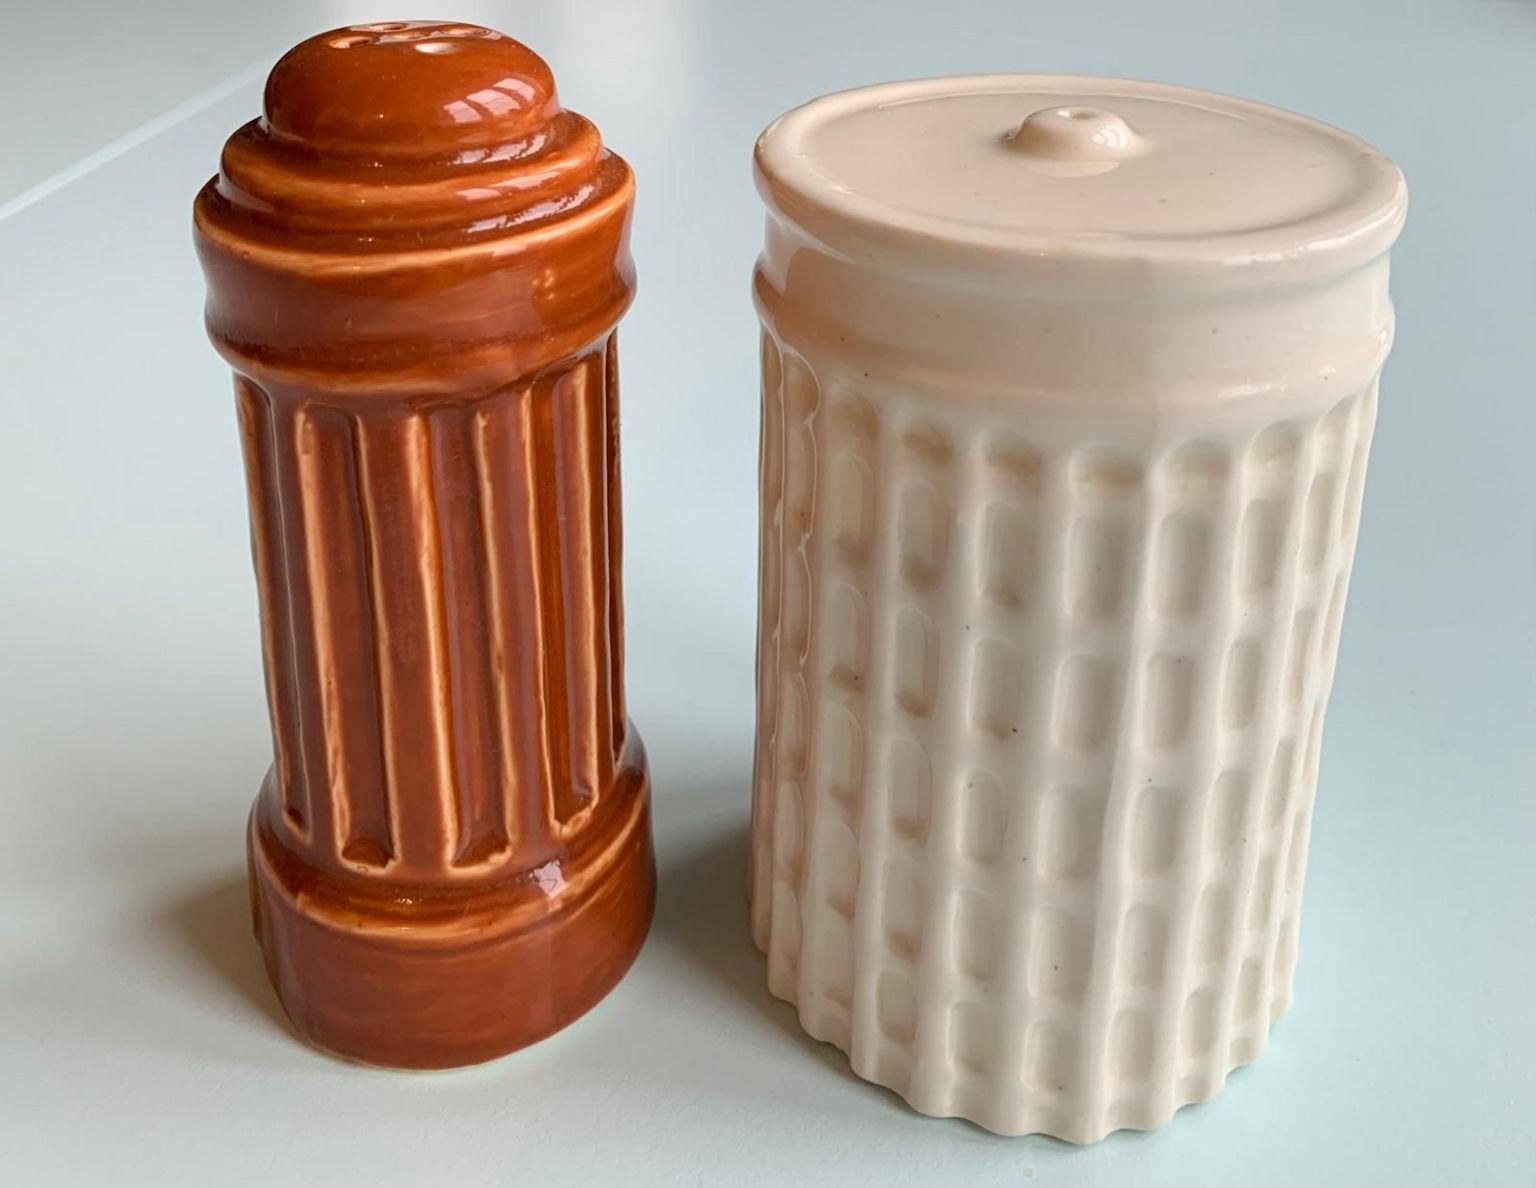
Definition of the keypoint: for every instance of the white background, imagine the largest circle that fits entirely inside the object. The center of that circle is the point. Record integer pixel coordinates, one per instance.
(139, 1043)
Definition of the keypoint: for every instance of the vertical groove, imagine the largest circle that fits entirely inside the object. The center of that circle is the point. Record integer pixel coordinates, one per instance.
(509, 525)
(875, 832)
(792, 737)
(490, 466)
(540, 467)
(1275, 691)
(943, 734)
(600, 576)
(818, 806)
(771, 491)
(1354, 459)
(574, 502)
(835, 675)
(1203, 767)
(1019, 883)
(1362, 422)
(1113, 900)
(473, 656)
(434, 592)
(614, 586)
(269, 557)
(1257, 749)
(336, 570)
(396, 487)
(307, 740)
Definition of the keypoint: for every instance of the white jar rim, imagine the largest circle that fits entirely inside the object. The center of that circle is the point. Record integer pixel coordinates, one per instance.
(1055, 178)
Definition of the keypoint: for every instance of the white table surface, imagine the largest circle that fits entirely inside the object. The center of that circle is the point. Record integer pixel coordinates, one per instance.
(139, 1042)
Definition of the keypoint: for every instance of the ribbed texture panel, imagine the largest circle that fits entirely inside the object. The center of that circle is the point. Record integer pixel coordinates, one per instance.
(1038, 730)
(444, 672)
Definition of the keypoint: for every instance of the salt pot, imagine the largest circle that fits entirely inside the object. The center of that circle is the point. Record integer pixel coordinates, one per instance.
(1068, 388)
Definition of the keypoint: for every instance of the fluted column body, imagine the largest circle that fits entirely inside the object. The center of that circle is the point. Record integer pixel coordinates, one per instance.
(440, 621)
(451, 855)
(1068, 390)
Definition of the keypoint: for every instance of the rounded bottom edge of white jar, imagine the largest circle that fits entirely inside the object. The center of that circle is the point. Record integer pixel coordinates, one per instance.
(943, 1100)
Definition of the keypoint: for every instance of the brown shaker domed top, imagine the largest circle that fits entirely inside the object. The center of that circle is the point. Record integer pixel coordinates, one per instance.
(367, 90)
(430, 165)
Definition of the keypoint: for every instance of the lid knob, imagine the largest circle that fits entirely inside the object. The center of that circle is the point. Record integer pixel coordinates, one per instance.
(399, 88)
(1075, 134)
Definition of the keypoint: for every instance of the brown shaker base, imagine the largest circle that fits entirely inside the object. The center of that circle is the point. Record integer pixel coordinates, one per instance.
(403, 979)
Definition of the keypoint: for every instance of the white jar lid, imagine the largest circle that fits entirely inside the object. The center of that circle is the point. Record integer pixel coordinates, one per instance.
(991, 174)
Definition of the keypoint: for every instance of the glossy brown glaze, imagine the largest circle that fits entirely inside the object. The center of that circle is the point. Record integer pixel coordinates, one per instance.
(415, 263)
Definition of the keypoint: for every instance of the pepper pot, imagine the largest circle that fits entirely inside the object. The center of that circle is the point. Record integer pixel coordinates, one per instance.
(416, 259)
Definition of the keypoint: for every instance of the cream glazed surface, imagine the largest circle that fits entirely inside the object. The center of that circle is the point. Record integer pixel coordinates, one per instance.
(1068, 390)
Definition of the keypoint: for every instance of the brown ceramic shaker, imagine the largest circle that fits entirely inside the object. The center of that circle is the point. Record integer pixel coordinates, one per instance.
(415, 263)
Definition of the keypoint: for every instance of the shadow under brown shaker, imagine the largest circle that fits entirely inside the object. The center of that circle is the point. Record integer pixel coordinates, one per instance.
(415, 263)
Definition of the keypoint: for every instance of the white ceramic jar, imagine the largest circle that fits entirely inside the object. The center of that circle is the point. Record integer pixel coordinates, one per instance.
(1068, 386)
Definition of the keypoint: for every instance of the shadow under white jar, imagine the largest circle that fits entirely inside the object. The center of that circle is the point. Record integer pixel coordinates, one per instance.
(1068, 387)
